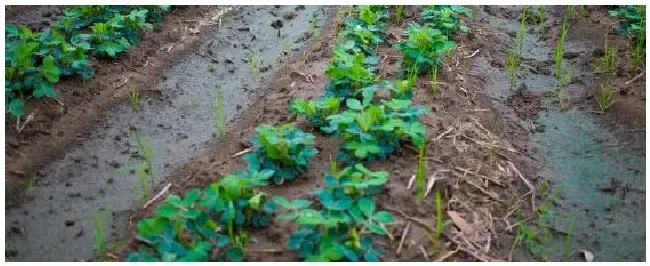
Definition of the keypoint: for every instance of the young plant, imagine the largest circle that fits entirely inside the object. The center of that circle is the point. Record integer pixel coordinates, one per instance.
(349, 74)
(100, 221)
(146, 169)
(633, 24)
(313, 26)
(567, 242)
(252, 66)
(446, 18)
(424, 48)
(398, 13)
(134, 97)
(219, 114)
(605, 96)
(420, 173)
(372, 131)
(207, 222)
(434, 81)
(340, 228)
(559, 48)
(315, 111)
(285, 150)
(512, 65)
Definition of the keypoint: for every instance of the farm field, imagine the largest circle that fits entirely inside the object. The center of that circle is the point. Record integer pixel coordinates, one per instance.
(325, 133)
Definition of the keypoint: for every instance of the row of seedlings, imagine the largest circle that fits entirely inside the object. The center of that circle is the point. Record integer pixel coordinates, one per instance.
(35, 61)
(370, 129)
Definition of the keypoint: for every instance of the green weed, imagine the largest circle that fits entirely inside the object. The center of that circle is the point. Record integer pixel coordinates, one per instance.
(434, 81)
(219, 114)
(146, 169)
(398, 13)
(605, 96)
(567, 242)
(441, 222)
(100, 220)
(512, 65)
(134, 97)
(313, 26)
(514, 54)
(558, 53)
(420, 173)
(252, 66)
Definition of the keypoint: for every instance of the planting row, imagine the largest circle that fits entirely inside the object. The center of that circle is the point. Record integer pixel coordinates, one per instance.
(35, 61)
(212, 223)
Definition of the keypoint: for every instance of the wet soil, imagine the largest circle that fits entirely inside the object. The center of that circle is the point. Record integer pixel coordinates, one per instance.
(581, 151)
(460, 116)
(175, 116)
(482, 150)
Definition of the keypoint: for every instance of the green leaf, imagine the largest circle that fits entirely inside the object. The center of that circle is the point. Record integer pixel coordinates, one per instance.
(44, 89)
(383, 217)
(377, 229)
(235, 254)
(16, 107)
(50, 71)
(353, 104)
(367, 206)
(256, 201)
(167, 211)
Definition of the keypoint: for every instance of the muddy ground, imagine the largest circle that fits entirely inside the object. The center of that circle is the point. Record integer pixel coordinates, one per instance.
(485, 140)
(84, 177)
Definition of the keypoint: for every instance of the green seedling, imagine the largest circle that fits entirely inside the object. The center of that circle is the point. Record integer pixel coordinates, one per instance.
(567, 242)
(252, 66)
(605, 96)
(420, 173)
(373, 131)
(434, 82)
(146, 169)
(100, 220)
(424, 48)
(208, 220)
(514, 54)
(564, 80)
(633, 24)
(446, 18)
(512, 65)
(315, 111)
(219, 114)
(285, 150)
(398, 13)
(313, 26)
(35, 61)
(349, 74)
(340, 228)
(558, 53)
(134, 97)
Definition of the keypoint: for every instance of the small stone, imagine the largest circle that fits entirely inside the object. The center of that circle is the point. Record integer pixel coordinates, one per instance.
(277, 24)
(289, 15)
(571, 55)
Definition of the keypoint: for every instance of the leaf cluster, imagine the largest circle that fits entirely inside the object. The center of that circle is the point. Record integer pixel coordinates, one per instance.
(285, 150)
(340, 229)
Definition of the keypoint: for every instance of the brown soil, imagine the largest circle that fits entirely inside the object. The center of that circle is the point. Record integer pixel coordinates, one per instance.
(464, 156)
(57, 126)
(525, 103)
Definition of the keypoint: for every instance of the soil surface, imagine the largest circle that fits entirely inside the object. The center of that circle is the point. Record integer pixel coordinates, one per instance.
(490, 149)
(175, 116)
(595, 162)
